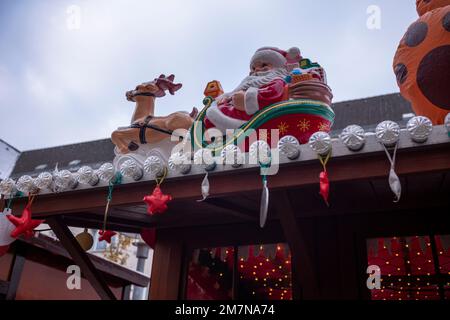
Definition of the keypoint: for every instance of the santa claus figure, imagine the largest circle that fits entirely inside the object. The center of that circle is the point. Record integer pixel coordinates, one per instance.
(265, 85)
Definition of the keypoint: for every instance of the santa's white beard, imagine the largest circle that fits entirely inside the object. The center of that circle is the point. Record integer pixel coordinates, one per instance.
(258, 80)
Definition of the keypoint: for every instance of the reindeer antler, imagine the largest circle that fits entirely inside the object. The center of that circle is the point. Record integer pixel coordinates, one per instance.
(166, 83)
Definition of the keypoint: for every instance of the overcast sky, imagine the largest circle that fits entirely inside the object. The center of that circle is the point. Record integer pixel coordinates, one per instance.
(62, 84)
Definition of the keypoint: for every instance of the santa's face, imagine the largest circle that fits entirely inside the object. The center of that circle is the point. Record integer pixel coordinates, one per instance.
(259, 66)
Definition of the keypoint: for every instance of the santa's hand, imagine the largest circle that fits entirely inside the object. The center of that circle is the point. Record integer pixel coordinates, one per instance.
(223, 99)
(239, 100)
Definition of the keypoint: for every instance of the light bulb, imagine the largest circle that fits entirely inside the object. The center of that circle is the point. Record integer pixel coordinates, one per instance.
(290, 147)
(388, 133)
(205, 158)
(44, 180)
(130, 168)
(232, 155)
(106, 172)
(154, 166)
(320, 142)
(260, 152)
(180, 162)
(86, 175)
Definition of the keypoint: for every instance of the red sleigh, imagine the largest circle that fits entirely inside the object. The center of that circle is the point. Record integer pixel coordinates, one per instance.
(305, 111)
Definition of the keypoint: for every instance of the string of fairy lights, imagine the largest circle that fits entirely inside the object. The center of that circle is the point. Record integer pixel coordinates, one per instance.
(412, 273)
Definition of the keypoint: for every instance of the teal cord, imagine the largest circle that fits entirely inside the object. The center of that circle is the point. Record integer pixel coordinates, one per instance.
(264, 166)
(115, 181)
(10, 200)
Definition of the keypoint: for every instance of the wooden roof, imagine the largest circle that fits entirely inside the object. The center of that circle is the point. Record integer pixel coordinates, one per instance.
(358, 184)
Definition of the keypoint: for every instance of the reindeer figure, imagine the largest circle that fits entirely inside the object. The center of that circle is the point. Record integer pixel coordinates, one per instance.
(144, 95)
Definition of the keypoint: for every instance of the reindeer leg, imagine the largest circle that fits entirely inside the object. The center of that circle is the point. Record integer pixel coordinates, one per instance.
(124, 138)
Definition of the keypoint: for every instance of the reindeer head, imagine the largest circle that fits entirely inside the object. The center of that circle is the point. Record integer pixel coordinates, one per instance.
(149, 89)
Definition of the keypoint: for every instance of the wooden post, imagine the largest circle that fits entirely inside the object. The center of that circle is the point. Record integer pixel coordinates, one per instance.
(80, 257)
(15, 272)
(167, 267)
(303, 267)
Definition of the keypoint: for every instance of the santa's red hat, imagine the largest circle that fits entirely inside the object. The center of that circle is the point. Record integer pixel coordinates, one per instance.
(276, 57)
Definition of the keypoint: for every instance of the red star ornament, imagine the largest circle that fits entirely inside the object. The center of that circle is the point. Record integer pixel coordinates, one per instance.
(157, 201)
(24, 225)
(106, 235)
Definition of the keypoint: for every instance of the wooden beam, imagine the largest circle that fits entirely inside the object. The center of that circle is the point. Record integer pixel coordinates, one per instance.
(167, 267)
(368, 165)
(15, 272)
(233, 208)
(305, 272)
(108, 268)
(80, 257)
(93, 221)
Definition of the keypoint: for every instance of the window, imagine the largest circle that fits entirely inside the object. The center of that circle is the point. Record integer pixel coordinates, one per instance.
(98, 245)
(412, 268)
(244, 272)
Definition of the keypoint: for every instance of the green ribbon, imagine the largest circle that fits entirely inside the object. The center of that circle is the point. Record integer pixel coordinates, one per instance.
(115, 181)
(10, 200)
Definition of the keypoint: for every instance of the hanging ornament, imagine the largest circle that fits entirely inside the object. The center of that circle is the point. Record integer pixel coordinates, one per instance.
(324, 183)
(260, 152)
(388, 133)
(320, 142)
(44, 181)
(85, 240)
(447, 123)
(353, 137)
(157, 201)
(130, 168)
(232, 155)
(264, 204)
(180, 162)
(86, 175)
(7, 187)
(419, 128)
(290, 147)
(205, 188)
(64, 180)
(6, 227)
(204, 157)
(105, 234)
(25, 224)
(26, 184)
(106, 172)
(154, 166)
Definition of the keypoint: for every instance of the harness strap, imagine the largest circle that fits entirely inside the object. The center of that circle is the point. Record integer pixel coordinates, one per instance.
(142, 128)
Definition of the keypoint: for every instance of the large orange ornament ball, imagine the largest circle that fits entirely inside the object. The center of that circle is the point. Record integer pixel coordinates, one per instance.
(422, 61)
(423, 6)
